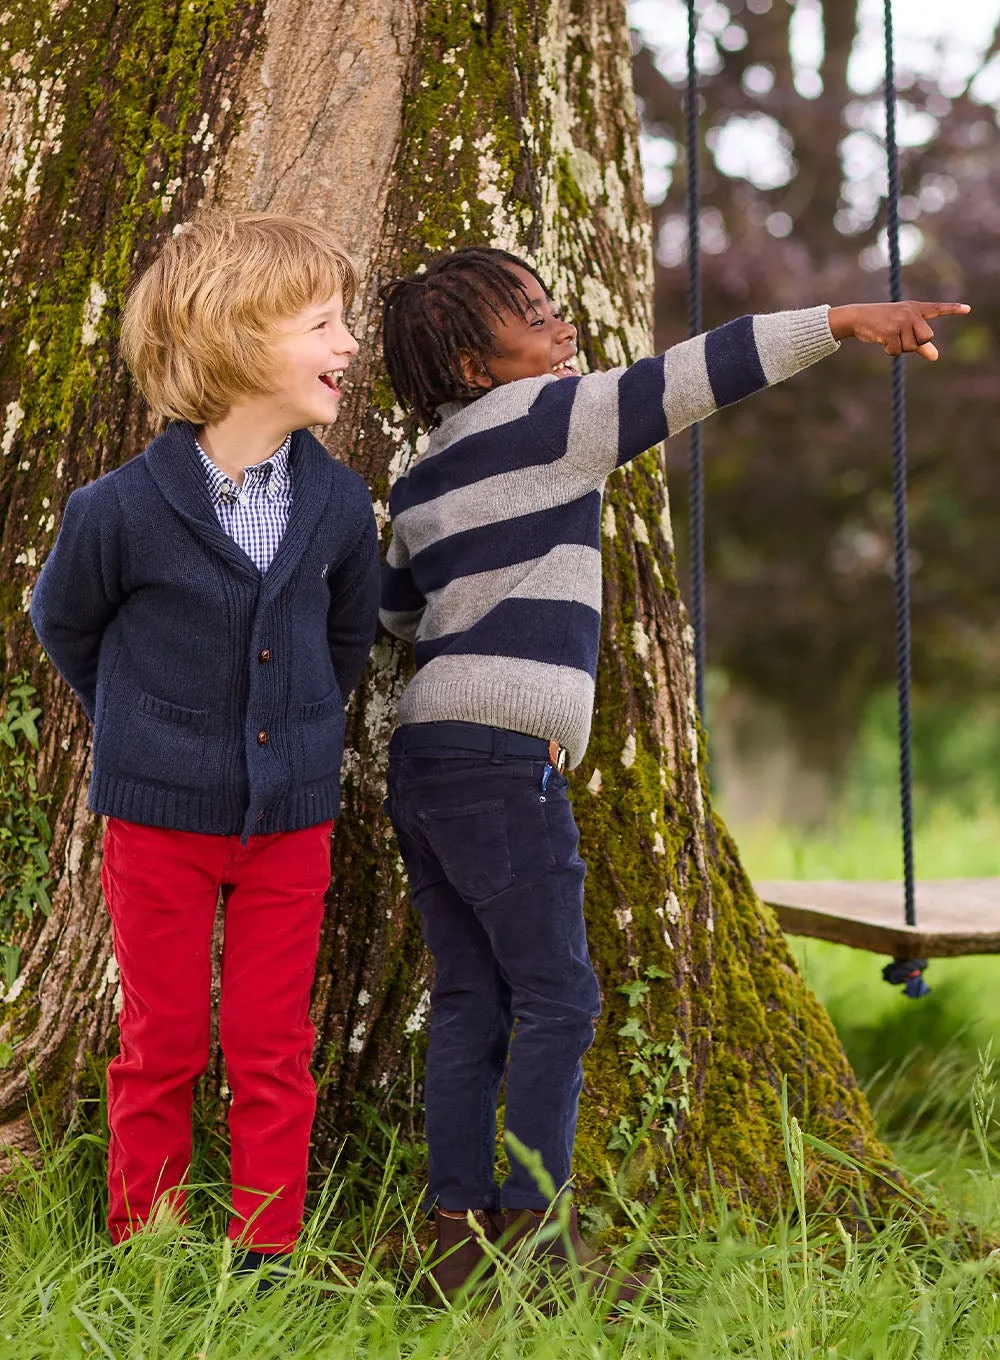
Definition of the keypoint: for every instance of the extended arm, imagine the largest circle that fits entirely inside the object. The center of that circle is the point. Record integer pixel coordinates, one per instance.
(615, 416)
(79, 593)
(610, 418)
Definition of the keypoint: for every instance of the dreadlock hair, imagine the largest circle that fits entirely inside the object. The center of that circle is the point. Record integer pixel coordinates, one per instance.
(432, 318)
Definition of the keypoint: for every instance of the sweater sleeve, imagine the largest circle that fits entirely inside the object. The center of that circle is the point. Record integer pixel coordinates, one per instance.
(613, 417)
(402, 604)
(352, 617)
(79, 592)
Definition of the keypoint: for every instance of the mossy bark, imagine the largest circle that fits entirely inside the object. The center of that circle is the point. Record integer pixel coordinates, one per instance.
(502, 121)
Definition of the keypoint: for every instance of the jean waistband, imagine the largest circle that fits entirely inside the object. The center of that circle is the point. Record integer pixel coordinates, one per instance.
(475, 737)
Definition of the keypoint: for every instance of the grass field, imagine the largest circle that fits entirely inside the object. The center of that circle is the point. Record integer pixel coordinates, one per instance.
(793, 1290)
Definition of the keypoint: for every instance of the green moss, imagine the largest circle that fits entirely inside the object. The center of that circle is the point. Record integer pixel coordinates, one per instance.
(113, 101)
(453, 139)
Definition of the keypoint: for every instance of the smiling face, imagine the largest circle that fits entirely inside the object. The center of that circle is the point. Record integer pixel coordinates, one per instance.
(528, 346)
(311, 351)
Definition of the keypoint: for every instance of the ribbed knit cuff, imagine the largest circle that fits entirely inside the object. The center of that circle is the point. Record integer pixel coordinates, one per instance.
(790, 341)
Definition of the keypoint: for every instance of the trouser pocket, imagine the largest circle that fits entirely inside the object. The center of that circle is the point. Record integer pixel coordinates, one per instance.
(471, 842)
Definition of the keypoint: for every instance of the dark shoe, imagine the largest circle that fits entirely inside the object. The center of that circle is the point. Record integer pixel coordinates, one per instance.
(458, 1259)
(271, 1267)
(565, 1249)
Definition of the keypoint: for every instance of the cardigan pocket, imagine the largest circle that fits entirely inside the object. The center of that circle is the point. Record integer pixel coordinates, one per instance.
(321, 725)
(166, 743)
(174, 713)
(322, 708)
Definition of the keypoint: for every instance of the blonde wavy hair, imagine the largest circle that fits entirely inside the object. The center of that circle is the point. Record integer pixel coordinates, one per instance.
(199, 326)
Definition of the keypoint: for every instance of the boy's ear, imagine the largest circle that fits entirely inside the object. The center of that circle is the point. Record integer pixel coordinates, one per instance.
(474, 370)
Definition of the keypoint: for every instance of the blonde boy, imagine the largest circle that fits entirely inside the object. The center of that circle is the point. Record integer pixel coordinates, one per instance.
(212, 603)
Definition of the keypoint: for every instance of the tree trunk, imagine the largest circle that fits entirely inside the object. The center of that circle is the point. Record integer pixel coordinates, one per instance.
(408, 127)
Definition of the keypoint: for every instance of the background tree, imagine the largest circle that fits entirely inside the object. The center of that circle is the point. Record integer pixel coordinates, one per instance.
(408, 127)
(800, 593)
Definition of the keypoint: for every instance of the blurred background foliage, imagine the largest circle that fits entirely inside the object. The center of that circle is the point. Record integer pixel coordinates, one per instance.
(799, 530)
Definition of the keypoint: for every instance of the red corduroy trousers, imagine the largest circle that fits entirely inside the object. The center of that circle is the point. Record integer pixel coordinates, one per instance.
(162, 888)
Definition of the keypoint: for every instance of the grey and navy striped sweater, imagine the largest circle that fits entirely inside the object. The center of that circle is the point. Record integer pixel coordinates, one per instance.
(494, 570)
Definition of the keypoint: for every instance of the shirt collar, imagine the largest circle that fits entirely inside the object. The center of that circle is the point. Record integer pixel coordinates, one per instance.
(271, 474)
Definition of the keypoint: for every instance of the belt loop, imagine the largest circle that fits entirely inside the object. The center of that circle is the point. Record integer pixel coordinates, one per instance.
(499, 746)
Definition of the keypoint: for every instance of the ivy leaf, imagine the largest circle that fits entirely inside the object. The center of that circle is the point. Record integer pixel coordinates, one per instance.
(633, 1030)
(25, 722)
(635, 991)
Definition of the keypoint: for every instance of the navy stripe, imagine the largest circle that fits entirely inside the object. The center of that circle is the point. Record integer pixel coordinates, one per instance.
(511, 447)
(561, 632)
(504, 543)
(399, 593)
(734, 367)
(642, 420)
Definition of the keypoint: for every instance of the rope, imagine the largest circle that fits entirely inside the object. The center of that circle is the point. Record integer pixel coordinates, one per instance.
(908, 972)
(696, 492)
(903, 673)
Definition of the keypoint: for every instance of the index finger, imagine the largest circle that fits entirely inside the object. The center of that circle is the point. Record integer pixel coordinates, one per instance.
(929, 309)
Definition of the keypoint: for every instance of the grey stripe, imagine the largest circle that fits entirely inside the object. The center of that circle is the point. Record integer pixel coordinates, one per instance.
(688, 396)
(790, 341)
(494, 500)
(523, 696)
(570, 572)
(489, 412)
(592, 441)
(592, 453)
(397, 556)
(401, 624)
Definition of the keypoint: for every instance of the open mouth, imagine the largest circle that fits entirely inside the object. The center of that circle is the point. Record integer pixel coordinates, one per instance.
(566, 368)
(332, 379)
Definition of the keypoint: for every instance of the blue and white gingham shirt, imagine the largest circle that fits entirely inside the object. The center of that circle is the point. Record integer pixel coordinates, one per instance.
(255, 514)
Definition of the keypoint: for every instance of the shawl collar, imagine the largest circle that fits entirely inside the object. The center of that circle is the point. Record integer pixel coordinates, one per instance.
(172, 460)
(317, 495)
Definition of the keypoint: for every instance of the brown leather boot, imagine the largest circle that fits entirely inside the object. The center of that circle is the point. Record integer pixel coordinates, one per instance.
(566, 1249)
(458, 1260)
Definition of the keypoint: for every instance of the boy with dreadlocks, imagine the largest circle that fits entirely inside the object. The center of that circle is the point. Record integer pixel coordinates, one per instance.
(494, 573)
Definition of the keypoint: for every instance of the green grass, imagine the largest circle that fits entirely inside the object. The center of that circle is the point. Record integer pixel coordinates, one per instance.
(782, 1291)
(955, 798)
(787, 1290)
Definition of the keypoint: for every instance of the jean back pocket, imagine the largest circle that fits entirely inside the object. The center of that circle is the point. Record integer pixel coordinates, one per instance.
(470, 841)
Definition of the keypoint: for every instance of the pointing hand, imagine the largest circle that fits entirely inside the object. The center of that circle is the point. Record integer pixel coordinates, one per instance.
(899, 327)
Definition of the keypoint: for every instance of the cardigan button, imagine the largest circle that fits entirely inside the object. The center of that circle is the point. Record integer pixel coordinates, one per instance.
(262, 738)
(264, 654)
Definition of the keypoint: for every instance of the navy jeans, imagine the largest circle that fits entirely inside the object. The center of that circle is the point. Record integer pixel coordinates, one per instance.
(496, 878)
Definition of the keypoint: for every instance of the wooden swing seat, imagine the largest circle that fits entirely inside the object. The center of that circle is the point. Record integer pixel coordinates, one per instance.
(955, 915)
